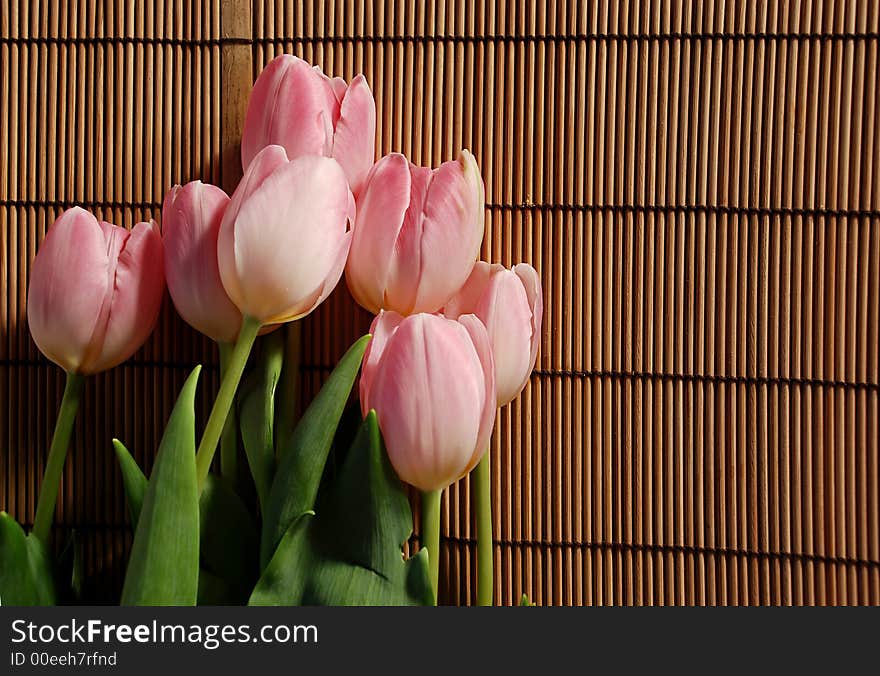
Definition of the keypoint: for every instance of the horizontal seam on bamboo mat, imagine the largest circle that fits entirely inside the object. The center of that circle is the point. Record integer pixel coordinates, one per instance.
(86, 204)
(709, 378)
(101, 40)
(31, 363)
(545, 373)
(523, 206)
(691, 208)
(600, 546)
(673, 549)
(430, 39)
(681, 377)
(563, 37)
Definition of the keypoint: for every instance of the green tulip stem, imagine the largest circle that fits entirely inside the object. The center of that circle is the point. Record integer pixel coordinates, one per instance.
(228, 439)
(57, 454)
(250, 327)
(431, 535)
(482, 487)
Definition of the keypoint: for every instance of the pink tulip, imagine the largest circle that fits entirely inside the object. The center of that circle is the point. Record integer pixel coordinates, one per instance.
(296, 106)
(417, 234)
(191, 218)
(95, 291)
(284, 237)
(509, 303)
(430, 380)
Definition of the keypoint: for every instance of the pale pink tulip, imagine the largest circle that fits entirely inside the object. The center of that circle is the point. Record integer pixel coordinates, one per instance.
(95, 291)
(509, 303)
(431, 383)
(284, 237)
(417, 234)
(191, 217)
(296, 106)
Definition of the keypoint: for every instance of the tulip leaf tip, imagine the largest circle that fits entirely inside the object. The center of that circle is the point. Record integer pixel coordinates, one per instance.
(119, 448)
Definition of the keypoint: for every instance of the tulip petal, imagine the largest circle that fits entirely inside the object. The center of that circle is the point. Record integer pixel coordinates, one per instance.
(383, 327)
(440, 239)
(428, 384)
(267, 161)
(468, 296)
(139, 284)
(532, 284)
(329, 283)
(191, 218)
(381, 207)
(352, 210)
(261, 108)
(405, 272)
(339, 87)
(68, 284)
(264, 165)
(504, 309)
(114, 239)
(480, 338)
(336, 270)
(453, 231)
(355, 137)
(285, 109)
(301, 207)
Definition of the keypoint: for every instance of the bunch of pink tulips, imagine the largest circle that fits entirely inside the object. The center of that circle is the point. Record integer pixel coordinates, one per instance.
(453, 339)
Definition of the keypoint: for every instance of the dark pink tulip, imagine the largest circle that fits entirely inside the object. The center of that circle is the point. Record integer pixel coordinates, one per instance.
(432, 385)
(417, 234)
(95, 291)
(509, 303)
(191, 217)
(296, 106)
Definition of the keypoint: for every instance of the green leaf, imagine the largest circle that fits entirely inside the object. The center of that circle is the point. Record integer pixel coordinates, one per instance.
(229, 542)
(284, 579)
(133, 480)
(164, 564)
(213, 591)
(346, 431)
(70, 571)
(303, 457)
(350, 552)
(78, 570)
(40, 566)
(26, 574)
(367, 508)
(524, 601)
(287, 394)
(257, 414)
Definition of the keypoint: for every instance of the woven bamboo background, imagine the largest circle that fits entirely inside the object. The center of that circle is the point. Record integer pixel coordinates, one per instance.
(697, 183)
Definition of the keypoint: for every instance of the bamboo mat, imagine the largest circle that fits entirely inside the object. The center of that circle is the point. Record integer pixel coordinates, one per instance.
(697, 183)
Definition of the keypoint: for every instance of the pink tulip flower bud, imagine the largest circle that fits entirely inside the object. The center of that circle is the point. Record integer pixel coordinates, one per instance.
(95, 291)
(284, 237)
(296, 106)
(417, 234)
(432, 385)
(191, 217)
(509, 303)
